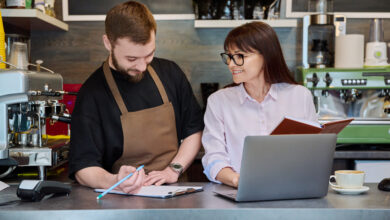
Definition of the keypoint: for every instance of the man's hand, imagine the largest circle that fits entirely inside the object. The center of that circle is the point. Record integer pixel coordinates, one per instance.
(160, 177)
(134, 183)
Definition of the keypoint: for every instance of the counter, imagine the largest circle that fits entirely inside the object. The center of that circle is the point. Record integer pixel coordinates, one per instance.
(82, 204)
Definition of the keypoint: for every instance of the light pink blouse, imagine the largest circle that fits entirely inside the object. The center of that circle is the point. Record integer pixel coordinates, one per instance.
(231, 115)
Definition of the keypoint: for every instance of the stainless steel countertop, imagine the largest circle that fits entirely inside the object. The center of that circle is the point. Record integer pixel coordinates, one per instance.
(82, 204)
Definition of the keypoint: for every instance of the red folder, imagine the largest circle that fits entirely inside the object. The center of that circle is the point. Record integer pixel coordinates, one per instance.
(293, 126)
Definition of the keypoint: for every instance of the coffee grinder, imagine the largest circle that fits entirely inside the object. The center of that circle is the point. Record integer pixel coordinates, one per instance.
(319, 32)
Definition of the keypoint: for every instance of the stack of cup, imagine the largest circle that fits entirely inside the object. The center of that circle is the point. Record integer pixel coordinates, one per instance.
(18, 56)
(2, 43)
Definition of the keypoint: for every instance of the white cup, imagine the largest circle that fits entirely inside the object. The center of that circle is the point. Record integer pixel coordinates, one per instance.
(351, 179)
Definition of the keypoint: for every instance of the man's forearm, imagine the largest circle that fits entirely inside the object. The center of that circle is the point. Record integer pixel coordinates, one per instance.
(95, 177)
(188, 150)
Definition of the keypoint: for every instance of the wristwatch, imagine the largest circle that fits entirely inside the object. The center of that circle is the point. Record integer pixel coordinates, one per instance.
(177, 167)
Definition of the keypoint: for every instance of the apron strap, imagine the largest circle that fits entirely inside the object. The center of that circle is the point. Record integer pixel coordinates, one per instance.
(114, 88)
(159, 85)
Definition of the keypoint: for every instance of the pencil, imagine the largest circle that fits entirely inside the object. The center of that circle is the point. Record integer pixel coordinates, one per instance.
(119, 182)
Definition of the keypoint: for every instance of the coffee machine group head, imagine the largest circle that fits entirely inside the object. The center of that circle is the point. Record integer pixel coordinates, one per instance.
(319, 32)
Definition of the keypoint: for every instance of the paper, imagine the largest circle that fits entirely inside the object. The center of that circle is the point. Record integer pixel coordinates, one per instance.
(305, 121)
(160, 191)
(3, 185)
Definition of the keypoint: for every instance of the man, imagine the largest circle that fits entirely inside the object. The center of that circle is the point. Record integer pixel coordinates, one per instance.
(134, 110)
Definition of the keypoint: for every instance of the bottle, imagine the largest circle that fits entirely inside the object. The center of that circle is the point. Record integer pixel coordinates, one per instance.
(29, 4)
(274, 11)
(16, 4)
(258, 12)
(226, 14)
(238, 10)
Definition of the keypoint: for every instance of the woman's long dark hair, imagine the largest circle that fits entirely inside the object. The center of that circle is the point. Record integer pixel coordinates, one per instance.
(260, 37)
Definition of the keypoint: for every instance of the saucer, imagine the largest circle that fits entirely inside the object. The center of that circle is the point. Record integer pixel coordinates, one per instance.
(348, 191)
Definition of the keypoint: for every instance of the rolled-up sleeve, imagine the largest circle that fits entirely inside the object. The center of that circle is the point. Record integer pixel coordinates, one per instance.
(213, 140)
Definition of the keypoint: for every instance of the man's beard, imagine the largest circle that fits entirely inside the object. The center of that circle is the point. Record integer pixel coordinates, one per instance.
(134, 79)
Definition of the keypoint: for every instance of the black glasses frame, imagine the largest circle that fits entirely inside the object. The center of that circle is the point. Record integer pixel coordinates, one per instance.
(231, 57)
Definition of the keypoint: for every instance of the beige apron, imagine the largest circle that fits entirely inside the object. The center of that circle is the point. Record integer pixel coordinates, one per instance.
(149, 135)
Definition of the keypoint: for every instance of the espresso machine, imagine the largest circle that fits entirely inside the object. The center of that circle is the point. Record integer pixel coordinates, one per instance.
(362, 94)
(29, 100)
(340, 93)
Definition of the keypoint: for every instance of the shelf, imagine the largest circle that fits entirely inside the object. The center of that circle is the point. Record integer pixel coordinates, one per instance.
(32, 19)
(235, 23)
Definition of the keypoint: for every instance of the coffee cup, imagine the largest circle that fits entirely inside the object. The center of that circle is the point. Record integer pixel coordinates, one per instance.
(349, 179)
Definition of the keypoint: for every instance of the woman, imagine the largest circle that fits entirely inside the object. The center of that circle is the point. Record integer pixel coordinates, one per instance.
(262, 94)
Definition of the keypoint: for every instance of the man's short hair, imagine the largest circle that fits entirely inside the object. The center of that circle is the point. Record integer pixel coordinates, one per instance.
(131, 20)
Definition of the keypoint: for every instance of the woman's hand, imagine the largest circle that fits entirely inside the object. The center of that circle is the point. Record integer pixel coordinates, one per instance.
(228, 176)
(235, 179)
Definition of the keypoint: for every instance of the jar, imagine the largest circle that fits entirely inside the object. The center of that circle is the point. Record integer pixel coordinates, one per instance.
(16, 3)
(3, 4)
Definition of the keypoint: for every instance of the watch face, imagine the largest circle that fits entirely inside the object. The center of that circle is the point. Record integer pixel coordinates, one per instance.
(176, 166)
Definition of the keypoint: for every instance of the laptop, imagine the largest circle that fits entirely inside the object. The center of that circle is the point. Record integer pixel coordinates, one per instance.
(281, 167)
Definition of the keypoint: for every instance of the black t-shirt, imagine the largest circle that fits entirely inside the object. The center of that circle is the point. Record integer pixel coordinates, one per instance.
(96, 131)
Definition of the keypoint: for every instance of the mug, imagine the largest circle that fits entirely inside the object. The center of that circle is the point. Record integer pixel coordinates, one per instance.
(351, 179)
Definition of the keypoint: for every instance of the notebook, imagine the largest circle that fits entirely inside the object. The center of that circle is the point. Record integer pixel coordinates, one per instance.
(162, 192)
(290, 125)
(280, 167)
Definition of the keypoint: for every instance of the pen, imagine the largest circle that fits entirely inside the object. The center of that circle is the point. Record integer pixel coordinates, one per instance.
(119, 182)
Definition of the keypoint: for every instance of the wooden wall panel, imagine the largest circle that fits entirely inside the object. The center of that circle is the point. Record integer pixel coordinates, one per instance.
(77, 53)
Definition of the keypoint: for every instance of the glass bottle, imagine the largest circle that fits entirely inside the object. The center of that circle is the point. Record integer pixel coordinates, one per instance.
(274, 11)
(258, 12)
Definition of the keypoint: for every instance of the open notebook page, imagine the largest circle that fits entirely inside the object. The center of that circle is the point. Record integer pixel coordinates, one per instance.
(305, 121)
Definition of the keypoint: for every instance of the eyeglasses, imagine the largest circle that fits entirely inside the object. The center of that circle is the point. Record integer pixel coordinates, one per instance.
(238, 58)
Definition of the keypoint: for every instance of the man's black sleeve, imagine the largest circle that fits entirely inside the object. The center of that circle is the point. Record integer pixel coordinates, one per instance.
(86, 144)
